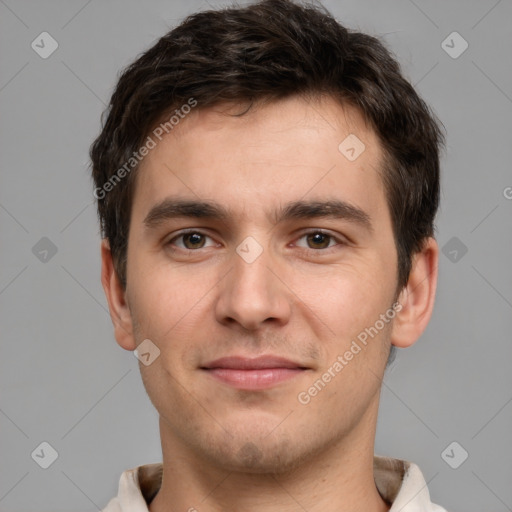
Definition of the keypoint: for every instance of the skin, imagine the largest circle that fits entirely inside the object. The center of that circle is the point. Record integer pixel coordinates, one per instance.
(304, 298)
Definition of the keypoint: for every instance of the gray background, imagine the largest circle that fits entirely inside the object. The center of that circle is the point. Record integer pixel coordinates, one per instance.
(64, 379)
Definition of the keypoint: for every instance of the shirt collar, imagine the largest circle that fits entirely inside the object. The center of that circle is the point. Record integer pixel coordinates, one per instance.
(399, 482)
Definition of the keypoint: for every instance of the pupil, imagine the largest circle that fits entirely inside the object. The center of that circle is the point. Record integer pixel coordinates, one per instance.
(194, 238)
(319, 239)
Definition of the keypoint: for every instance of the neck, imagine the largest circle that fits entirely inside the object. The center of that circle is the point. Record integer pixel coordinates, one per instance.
(339, 478)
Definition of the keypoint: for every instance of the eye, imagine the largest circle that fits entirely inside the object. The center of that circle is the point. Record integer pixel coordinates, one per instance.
(319, 240)
(191, 240)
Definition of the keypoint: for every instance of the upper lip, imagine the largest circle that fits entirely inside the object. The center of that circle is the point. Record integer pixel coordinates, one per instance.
(256, 363)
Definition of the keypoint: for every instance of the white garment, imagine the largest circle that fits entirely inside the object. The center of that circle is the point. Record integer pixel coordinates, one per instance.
(399, 482)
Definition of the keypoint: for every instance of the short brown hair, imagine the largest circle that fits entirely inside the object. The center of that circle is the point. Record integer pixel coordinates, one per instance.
(262, 52)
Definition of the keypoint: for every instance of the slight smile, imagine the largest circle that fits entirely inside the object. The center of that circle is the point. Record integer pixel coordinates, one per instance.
(252, 374)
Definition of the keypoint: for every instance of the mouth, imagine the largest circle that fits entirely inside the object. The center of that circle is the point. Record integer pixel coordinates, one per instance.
(253, 373)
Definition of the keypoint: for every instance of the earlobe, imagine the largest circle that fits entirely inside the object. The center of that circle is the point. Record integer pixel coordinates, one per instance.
(417, 297)
(118, 307)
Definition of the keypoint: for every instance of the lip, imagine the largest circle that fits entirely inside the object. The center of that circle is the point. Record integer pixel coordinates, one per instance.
(256, 363)
(253, 373)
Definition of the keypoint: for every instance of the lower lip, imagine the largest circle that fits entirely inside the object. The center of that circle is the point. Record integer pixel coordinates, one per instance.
(254, 379)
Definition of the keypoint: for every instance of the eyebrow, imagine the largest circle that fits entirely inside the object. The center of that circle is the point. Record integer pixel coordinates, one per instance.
(171, 208)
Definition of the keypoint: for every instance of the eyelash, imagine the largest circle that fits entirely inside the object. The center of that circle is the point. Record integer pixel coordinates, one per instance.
(307, 249)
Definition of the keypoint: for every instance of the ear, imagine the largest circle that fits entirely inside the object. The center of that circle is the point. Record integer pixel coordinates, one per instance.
(118, 307)
(417, 297)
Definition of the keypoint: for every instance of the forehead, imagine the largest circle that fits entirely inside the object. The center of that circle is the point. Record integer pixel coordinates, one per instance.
(274, 153)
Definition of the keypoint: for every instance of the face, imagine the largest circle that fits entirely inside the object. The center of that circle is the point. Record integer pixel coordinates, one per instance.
(288, 253)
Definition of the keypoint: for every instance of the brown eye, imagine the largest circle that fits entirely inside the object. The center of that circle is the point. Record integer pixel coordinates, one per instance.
(193, 240)
(190, 240)
(318, 240)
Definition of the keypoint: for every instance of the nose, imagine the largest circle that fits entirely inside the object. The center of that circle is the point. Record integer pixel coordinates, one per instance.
(253, 294)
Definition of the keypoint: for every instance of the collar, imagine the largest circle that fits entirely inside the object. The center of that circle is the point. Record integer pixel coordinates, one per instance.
(399, 482)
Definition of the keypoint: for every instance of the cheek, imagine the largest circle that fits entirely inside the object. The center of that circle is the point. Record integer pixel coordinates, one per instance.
(346, 298)
(173, 308)
(160, 295)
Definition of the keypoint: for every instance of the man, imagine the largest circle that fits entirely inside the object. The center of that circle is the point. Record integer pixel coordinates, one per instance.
(267, 183)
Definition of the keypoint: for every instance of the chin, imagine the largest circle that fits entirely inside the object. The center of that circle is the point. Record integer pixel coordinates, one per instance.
(246, 454)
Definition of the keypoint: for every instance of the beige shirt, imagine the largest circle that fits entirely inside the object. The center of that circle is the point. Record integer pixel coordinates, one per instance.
(399, 482)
